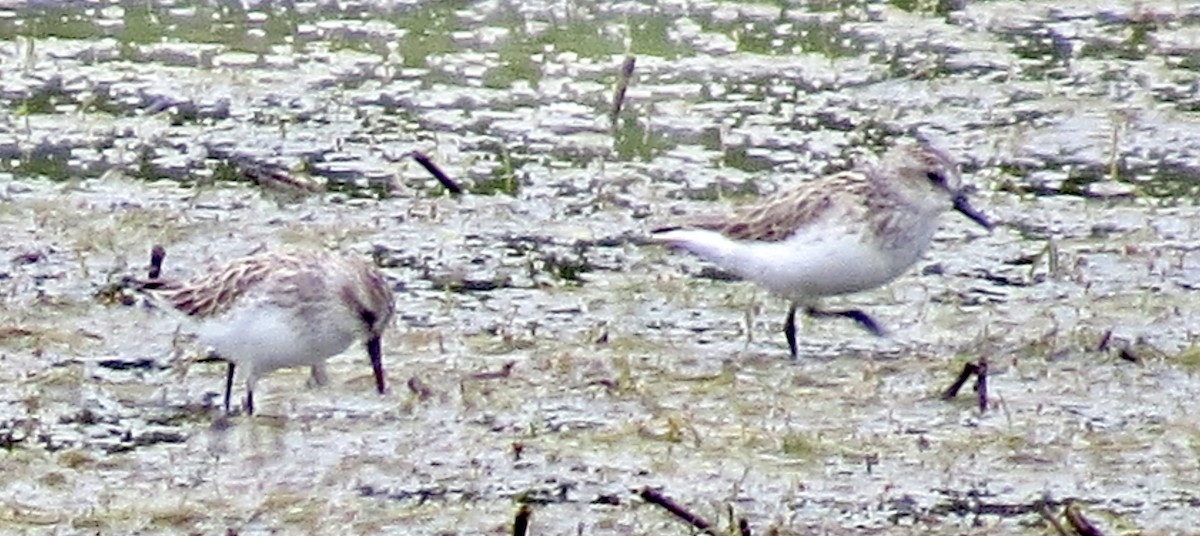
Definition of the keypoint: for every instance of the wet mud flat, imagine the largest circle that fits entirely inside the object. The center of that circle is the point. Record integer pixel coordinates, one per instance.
(543, 355)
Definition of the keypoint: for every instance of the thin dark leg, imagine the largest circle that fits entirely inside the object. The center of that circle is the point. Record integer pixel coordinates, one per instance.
(228, 384)
(789, 330)
(854, 314)
(249, 401)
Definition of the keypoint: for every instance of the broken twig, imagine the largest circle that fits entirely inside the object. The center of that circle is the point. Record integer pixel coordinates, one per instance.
(157, 254)
(437, 173)
(978, 369)
(623, 79)
(654, 497)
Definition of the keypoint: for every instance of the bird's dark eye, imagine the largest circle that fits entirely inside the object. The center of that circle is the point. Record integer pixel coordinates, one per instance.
(936, 178)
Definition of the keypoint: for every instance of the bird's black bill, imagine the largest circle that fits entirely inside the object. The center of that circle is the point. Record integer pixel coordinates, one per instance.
(228, 384)
(376, 355)
(962, 205)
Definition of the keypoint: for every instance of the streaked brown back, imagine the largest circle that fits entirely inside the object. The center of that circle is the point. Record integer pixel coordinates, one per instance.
(778, 216)
(213, 293)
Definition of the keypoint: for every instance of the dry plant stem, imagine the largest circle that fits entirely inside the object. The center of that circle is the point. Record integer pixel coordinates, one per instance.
(1104, 340)
(979, 370)
(981, 374)
(623, 79)
(521, 521)
(1080, 524)
(654, 497)
(157, 254)
(437, 173)
(952, 391)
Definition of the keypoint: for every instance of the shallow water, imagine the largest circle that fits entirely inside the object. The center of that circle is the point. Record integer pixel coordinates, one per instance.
(126, 125)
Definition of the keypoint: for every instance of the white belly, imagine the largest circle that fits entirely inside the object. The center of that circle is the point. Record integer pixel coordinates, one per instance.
(264, 338)
(817, 264)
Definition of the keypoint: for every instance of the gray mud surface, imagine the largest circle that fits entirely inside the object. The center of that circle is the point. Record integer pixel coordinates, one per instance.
(542, 353)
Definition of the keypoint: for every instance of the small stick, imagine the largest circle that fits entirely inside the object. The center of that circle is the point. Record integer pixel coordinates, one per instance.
(437, 173)
(654, 497)
(623, 79)
(1075, 518)
(157, 253)
(521, 522)
(979, 369)
(981, 372)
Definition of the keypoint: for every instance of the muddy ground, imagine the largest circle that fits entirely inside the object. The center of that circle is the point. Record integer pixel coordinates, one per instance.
(543, 354)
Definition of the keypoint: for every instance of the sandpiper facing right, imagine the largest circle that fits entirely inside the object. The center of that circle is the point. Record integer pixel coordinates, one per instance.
(842, 233)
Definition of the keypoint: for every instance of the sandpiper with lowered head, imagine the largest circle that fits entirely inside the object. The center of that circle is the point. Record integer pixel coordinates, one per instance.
(282, 309)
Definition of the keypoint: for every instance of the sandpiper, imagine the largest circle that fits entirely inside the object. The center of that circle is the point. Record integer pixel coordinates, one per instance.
(839, 234)
(273, 310)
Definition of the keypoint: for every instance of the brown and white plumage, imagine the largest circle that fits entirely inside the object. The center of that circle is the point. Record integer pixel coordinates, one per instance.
(274, 310)
(839, 234)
